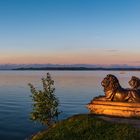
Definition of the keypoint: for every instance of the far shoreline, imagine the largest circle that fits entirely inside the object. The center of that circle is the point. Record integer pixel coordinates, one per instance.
(70, 69)
(77, 69)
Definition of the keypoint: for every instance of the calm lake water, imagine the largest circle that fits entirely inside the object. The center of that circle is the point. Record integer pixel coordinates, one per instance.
(73, 88)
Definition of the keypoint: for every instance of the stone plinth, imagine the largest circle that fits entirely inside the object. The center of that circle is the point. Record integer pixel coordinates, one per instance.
(121, 109)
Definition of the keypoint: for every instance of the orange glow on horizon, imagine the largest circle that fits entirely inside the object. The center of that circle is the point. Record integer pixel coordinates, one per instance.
(72, 58)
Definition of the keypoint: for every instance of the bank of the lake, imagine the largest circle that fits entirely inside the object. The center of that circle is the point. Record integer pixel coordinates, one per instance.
(88, 127)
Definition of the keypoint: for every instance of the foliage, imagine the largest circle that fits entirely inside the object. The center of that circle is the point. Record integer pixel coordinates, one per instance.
(88, 127)
(45, 103)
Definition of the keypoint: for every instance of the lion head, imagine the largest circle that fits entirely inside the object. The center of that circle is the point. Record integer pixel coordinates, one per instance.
(134, 82)
(110, 82)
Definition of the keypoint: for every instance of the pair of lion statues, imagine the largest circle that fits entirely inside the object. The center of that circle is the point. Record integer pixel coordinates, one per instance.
(114, 91)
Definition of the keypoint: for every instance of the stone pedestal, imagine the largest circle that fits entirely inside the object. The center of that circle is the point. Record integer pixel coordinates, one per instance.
(121, 109)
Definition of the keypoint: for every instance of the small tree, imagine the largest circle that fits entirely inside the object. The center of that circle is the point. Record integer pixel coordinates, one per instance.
(45, 103)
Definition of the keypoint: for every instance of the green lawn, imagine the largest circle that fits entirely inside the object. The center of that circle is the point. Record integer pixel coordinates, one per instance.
(88, 127)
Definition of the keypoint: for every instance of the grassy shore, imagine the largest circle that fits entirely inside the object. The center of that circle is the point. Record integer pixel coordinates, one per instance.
(88, 127)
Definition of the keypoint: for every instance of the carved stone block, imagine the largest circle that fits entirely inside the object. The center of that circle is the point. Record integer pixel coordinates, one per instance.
(121, 109)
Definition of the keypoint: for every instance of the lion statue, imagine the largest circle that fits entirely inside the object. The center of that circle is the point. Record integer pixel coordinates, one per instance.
(114, 91)
(135, 83)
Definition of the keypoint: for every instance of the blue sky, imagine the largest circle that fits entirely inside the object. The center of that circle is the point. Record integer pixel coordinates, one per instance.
(70, 31)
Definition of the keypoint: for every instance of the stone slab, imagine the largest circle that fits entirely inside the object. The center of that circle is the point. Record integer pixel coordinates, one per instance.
(112, 108)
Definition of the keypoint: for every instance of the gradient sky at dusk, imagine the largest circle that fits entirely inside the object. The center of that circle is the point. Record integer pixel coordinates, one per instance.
(70, 31)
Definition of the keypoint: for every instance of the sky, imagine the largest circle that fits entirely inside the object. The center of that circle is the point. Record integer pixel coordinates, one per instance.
(70, 32)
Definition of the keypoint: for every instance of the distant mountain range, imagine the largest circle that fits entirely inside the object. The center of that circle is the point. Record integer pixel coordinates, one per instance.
(66, 67)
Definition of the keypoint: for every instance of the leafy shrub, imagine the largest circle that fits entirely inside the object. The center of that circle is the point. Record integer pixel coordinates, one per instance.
(45, 103)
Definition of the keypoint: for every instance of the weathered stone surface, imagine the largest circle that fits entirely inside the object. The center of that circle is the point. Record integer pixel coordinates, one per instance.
(121, 109)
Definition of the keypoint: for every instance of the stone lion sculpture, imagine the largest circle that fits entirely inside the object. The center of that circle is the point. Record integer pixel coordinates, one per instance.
(114, 91)
(135, 83)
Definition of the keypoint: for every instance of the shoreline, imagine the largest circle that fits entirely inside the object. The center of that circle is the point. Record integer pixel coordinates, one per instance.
(89, 127)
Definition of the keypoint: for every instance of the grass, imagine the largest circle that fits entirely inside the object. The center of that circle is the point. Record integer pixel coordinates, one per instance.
(88, 127)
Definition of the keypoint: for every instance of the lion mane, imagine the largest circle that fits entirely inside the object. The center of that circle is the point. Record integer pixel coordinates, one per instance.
(110, 82)
(134, 83)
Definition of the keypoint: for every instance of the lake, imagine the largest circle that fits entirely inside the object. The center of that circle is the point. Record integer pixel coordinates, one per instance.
(73, 88)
